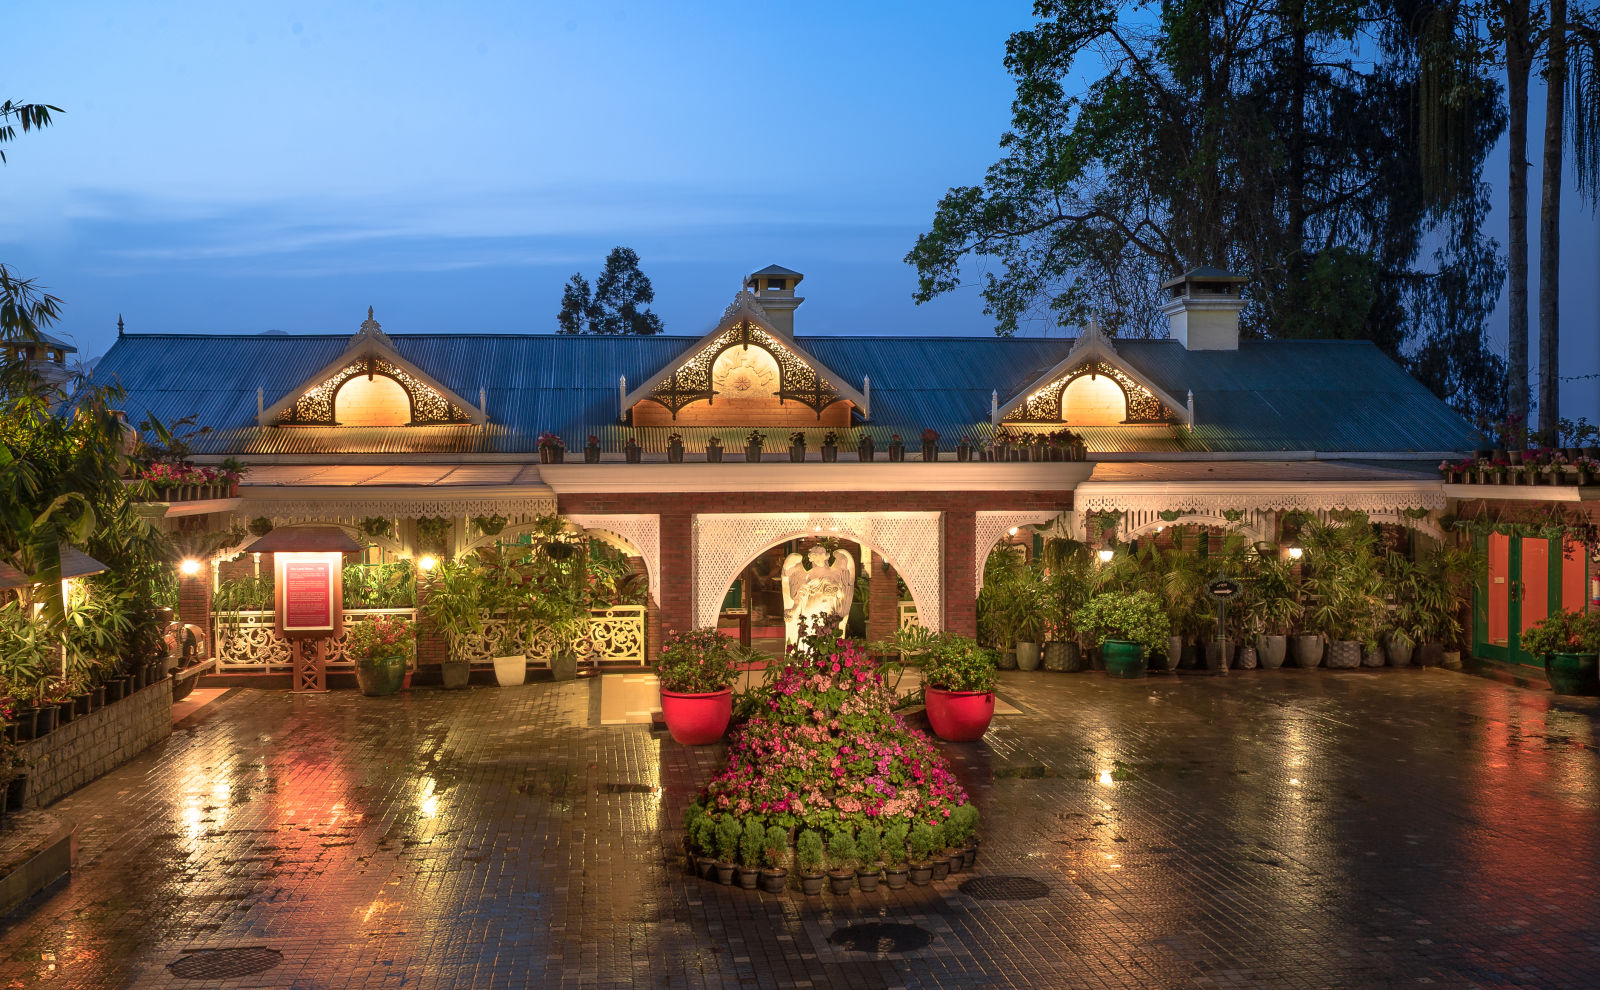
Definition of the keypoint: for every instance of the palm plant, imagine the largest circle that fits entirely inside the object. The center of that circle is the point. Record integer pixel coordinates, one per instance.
(1345, 582)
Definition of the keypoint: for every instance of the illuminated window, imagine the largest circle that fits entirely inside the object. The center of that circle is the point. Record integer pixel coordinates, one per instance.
(377, 400)
(1094, 400)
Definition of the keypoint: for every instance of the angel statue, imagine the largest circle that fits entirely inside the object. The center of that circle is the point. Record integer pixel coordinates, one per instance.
(825, 589)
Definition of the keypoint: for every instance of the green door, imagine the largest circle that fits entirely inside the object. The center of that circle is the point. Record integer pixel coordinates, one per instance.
(1527, 578)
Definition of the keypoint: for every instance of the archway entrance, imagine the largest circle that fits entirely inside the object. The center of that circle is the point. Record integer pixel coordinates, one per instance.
(752, 608)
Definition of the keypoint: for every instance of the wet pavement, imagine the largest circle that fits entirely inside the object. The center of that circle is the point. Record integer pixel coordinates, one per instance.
(1267, 829)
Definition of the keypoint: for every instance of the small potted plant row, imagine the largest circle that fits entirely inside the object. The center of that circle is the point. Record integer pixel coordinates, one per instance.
(1056, 445)
(552, 449)
(1539, 466)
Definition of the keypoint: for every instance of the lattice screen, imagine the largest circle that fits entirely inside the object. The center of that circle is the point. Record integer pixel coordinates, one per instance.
(641, 532)
(990, 527)
(912, 542)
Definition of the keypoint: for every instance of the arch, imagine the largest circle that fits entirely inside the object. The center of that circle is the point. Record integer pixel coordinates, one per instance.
(990, 527)
(1094, 400)
(637, 535)
(724, 543)
(372, 400)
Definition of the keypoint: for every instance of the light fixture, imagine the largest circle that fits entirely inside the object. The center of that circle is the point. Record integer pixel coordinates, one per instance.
(1013, 531)
(428, 562)
(189, 567)
(1295, 553)
(1106, 555)
(1160, 528)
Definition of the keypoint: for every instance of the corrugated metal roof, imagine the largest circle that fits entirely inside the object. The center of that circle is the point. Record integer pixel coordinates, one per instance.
(1268, 395)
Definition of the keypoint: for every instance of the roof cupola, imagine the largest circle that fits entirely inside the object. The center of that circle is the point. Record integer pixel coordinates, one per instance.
(774, 288)
(1203, 306)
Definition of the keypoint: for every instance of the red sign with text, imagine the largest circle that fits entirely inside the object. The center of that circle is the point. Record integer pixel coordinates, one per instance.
(308, 591)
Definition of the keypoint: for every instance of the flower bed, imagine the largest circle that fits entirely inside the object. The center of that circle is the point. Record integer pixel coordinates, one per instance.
(825, 755)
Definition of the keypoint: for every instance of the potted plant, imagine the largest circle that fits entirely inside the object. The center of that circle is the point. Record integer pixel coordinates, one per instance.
(897, 448)
(797, 446)
(869, 852)
(675, 448)
(382, 648)
(866, 450)
(830, 447)
(961, 833)
(841, 860)
(705, 841)
(1271, 607)
(1070, 564)
(632, 451)
(1345, 586)
(895, 872)
(964, 449)
(713, 451)
(696, 672)
(1125, 626)
(750, 850)
(552, 449)
(924, 839)
(1569, 644)
(930, 445)
(808, 860)
(591, 450)
(753, 442)
(958, 677)
(457, 605)
(728, 835)
(774, 877)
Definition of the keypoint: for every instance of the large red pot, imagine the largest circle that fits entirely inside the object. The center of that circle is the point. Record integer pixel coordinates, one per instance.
(959, 716)
(697, 719)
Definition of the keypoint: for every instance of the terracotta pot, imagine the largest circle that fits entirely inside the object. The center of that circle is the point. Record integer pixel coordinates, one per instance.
(959, 716)
(1123, 659)
(697, 719)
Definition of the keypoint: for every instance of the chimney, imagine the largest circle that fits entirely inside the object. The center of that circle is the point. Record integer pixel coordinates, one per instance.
(774, 288)
(1203, 306)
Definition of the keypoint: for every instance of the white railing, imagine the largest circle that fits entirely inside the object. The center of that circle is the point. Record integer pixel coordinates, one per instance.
(247, 641)
(908, 615)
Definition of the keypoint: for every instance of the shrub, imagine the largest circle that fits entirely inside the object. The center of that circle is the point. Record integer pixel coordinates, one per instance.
(775, 845)
(894, 843)
(924, 840)
(750, 843)
(705, 835)
(808, 852)
(1136, 617)
(1564, 632)
(383, 636)
(960, 826)
(841, 850)
(869, 845)
(956, 663)
(728, 835)
(696, 662)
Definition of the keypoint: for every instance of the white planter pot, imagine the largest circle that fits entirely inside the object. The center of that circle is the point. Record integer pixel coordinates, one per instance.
(510, 671)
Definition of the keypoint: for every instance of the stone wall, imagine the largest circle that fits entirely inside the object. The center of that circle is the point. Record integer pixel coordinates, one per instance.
(95, 744)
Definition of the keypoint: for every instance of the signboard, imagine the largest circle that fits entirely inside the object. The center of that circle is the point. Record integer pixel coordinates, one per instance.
(1224, 589)
(308, 592)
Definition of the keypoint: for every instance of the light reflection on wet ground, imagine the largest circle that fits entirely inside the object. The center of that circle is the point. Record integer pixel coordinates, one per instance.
(1271, 829)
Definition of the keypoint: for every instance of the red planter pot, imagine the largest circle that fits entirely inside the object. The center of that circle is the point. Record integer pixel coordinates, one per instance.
(697, 719)
(959, 716)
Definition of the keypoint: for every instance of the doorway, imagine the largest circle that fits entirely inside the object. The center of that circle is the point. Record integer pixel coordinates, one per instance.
(1526, 579)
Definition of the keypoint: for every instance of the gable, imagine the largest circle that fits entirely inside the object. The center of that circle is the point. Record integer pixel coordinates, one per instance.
(1092, 359)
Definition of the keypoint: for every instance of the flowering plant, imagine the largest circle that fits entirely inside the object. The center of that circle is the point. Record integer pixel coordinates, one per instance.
(1564, 632)
(930, 435)
(895, 438)
(594, 441)
(171, 474)
(830, 439)
(956, 663)
(552, 440)
(798, 438)
(696, 662)
(755, 438)
(381, 637)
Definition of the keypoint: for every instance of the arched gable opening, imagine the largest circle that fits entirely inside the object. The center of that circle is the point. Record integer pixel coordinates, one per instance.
(1094, 400)
(372, 400)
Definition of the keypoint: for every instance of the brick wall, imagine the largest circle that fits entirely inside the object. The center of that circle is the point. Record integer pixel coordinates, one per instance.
(93, 745)
(883, 597)
(194, 603)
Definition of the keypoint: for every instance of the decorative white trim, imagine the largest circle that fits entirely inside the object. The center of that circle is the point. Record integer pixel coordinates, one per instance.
(313, 502)
(989, 527)
(1524, 493)
(641, 534)
(912, 543)
(1218, 496)
(1092, 345)
(1256, 523)
(816, 476)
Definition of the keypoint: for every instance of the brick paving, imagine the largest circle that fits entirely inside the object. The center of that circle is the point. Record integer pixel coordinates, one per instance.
(1267, 829)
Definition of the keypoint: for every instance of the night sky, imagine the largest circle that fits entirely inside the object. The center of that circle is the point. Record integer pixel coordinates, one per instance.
(231, 167)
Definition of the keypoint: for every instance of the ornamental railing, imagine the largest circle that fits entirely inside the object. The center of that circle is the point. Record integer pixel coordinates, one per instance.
(908, 615)
(248, 641)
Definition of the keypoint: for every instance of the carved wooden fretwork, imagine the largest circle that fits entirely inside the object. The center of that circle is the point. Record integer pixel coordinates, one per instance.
(692, 381)
(315, 405)
(1044, 406)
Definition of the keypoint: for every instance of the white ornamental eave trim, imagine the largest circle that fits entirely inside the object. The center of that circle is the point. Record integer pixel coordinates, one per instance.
(1219, 496)
(322, 501)
(815, 476)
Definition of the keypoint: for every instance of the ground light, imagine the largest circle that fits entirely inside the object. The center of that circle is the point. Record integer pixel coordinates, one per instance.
(1295, 553)
(1106, 555)
(428, 562)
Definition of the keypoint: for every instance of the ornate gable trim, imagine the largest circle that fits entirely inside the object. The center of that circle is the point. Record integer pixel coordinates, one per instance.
(801, 377)
(1092, 353)
(371, 352)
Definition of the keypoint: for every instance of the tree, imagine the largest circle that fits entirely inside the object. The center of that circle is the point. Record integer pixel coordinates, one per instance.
(1264, 138)
(25, 307)
(618, 304)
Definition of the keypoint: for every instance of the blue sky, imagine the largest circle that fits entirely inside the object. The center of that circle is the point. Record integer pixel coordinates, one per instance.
(247, 167)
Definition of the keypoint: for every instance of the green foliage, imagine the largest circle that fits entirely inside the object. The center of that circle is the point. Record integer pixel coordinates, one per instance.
(1271, 605)
(728, 835)
(1344, 582)
(775, 845)
(925, 839)
(869, 844)
(808, 851)
(390, 585)
(894, 842)
(751, 843)
(705, 834)
(28, 657)
(1564, 632)
(841, 850)
(379, 638)
(1136, 617)
(696, 662)
(459, 600)
(619, 303)
(960, 827)
(956, 663)
(1016, 603)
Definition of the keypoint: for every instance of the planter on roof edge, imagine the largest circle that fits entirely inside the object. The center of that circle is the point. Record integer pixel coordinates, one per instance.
(674, 453)
(752, 452)
(591, 453)
(634, 453)
(897, 452)
(830, 452)
(797, 452)
(713, 453)
(930, 451)
(865, 451)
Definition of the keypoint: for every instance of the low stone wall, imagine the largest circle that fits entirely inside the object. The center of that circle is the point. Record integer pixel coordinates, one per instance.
(95, 744)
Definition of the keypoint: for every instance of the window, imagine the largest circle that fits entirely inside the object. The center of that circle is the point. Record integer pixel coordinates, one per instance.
(371, 400)
(1093, 400)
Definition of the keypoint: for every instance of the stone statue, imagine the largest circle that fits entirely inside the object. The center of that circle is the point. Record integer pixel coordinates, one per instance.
(825, 589)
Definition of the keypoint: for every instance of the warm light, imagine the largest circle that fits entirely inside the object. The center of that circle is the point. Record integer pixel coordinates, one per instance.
(817, 529)
(1295, 553)
(1013, 531)
(1106, 555)
(1160, 528)
(189, 567)
(428, 562)
(1105, 777)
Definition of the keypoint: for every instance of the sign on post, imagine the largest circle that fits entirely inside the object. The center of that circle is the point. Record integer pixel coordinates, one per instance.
(1222, 591)
(308, 588)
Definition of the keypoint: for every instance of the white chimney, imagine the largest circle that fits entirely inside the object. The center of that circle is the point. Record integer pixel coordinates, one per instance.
(1203, 307)
(774, 288)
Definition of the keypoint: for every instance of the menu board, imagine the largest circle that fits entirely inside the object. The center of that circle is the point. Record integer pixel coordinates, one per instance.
(308, 591)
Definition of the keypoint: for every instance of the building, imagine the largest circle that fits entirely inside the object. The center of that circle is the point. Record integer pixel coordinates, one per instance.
(437, 433)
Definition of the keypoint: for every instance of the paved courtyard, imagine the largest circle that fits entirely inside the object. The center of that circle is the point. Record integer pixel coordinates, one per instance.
(1267, 829)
